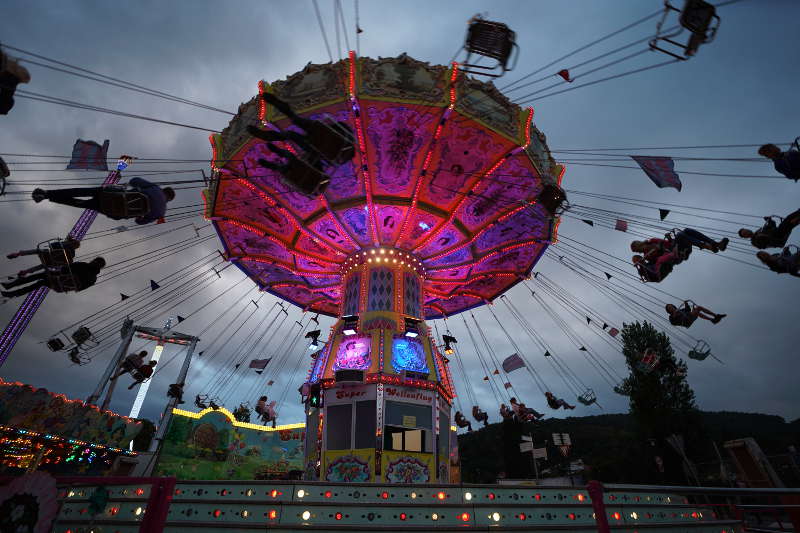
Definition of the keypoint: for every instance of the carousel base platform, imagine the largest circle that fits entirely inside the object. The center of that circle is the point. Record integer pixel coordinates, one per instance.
(162, 504)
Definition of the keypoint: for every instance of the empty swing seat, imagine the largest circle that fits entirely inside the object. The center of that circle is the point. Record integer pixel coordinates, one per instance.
(588, 397)
(700, 352)
(489, 39)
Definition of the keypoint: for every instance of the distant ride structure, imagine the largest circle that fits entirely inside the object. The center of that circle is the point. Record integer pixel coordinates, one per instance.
(436, 214)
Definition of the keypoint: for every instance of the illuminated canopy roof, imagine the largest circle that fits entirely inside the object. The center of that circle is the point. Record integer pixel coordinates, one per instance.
(446, 168)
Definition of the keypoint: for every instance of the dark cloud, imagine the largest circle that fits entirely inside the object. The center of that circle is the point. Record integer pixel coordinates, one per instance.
(740, 89)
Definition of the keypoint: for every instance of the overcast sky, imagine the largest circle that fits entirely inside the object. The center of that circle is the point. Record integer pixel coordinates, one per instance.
(740, 89)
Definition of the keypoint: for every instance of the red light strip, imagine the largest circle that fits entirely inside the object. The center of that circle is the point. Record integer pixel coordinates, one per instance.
(264, 233)
(474, 278)
(446, 115)
(554, 238)
(362, 147)
(212, 140)
(436, 231)
(262, 104)
(289, 215)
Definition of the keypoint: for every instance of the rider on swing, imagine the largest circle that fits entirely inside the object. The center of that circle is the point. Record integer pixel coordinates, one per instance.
(157, 199)
(480, 416)
(461, 421)
(556, 403)
(686, 314)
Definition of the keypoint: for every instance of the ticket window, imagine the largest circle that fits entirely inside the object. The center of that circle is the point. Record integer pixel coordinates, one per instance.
(350, 426)
(408, 427)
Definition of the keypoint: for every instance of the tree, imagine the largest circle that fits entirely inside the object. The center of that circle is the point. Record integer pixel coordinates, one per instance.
(661, 401)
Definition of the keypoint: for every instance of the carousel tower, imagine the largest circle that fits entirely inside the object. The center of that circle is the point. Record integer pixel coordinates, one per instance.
(449, 201)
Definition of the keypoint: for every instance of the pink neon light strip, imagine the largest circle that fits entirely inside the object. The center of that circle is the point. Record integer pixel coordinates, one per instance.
(415, 198)
(362, 147)
(453, 214)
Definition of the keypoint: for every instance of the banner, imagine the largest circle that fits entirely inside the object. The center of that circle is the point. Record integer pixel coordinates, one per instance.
(661, 170)
(513, 362)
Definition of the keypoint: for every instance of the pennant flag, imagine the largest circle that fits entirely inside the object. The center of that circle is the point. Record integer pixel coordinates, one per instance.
(621, 225)
(513, 362)
(88, 155)
(661, 170)
(201, 353)
(605, 326)
(154, 285)
(485, 378)
(260, 364)
(180, 319)
(588, 320)
(587, 222)
(547, 354)
(507, 385)
(237, 365)
(564, 73)
(269, 383)
(123, 296)
(613, 332)
(496, 372)
(607, 275)
(259, 372)
(663, 213)
(582, 348)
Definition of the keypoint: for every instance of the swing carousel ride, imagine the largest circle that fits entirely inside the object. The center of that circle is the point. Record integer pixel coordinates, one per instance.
(439, 212)
(447, 198)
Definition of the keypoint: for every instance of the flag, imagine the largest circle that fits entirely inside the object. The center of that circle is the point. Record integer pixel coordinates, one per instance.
(607, 275)
(180, 319)
(88, 155)
(582, 348)
(621, 225)
(154, 285)
(269, 383)
(260, 364)
(663, 213)
(661, 170)
(237, 365)
(613, 332)
(259, 372)
(547, 354)
(605, 326)
(587, 222)
(564, 73)
(485, 378)
(588, 320)
(496, 372)
(201, 353)
(507, 385)
(123, 296)
(513, 362)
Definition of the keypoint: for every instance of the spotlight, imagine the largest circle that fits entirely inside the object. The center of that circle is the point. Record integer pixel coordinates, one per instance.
(448, 340)
(350, 324)
(412, 327)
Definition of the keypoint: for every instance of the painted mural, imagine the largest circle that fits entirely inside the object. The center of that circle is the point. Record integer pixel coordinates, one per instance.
(349, 466)
(353, 353)
(408, 354)
(213, 445)
(405, 467)
(26, 407)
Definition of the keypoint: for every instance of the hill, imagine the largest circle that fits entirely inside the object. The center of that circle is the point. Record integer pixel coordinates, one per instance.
(608, 445)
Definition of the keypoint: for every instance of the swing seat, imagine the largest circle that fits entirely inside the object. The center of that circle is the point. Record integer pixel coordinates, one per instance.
(490, 39)
(303, 177)
(52, 254)
(619, 390)
(77, 358)
(552, 197)
(117, 203)
(700, 352)
(588, 397)
(61, 282)
(698, 17)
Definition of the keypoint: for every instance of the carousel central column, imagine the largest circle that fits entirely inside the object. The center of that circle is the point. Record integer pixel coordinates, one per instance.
(380, 385)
